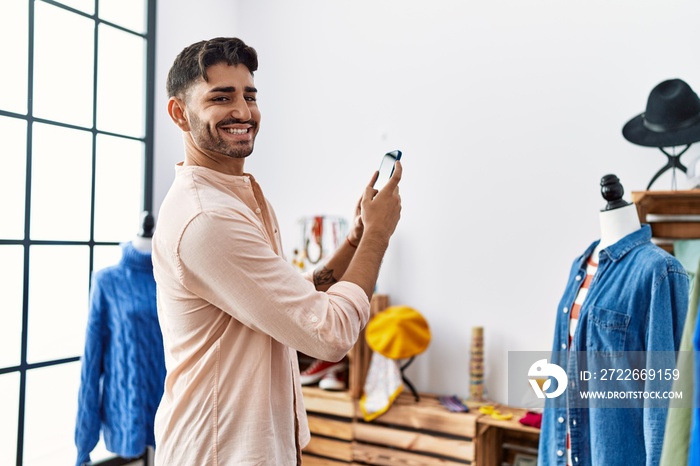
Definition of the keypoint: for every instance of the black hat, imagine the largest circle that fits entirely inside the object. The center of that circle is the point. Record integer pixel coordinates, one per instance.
(672, 117)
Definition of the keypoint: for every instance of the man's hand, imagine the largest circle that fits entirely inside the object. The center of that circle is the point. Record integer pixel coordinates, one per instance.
(376, 216)
(380, 210)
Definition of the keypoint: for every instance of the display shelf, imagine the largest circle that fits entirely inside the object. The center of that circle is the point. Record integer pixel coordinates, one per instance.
(499, 442)
(419, 433)
(672, 215)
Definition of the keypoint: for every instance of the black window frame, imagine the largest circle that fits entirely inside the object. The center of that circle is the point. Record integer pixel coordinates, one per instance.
(149, 36)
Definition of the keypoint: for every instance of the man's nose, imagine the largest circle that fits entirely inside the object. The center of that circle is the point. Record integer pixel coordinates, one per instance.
(240, 110)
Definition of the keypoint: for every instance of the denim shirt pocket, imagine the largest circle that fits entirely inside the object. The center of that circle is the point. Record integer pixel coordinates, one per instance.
(606, 332)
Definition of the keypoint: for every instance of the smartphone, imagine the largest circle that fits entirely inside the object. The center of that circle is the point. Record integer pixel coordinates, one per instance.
(386, 168)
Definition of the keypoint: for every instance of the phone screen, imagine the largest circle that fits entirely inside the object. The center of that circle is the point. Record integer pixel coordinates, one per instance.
(386, 168)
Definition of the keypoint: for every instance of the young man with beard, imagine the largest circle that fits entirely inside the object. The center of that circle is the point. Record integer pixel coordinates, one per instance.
(232, 310)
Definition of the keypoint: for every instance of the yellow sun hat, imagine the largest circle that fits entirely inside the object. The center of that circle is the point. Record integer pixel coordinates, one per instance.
(398, 332)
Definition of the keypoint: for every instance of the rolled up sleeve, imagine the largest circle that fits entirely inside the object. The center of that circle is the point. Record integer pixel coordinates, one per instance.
(226, 259)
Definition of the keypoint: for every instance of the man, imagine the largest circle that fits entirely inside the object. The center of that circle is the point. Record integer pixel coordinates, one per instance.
(233, 312)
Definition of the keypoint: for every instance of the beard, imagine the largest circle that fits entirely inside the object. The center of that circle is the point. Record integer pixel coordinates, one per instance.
(207, 139)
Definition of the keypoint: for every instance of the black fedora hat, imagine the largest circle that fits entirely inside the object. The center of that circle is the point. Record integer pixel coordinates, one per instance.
(672, 117)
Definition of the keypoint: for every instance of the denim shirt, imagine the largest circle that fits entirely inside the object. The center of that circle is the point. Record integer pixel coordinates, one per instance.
(636, 302)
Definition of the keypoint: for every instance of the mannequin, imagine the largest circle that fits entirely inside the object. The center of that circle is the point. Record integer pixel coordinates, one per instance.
(618, 219)
(142, 241)
(123, 365)
(624, 296)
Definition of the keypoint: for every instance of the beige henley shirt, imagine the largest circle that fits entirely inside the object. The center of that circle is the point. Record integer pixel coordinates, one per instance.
(233, 313)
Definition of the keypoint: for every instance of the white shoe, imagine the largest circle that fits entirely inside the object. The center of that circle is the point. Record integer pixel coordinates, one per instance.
(332, 381)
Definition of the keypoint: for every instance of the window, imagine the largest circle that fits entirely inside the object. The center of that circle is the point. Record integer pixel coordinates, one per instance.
(76, 116)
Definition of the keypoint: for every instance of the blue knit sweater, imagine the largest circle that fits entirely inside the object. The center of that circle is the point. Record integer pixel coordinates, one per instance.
(123, 366)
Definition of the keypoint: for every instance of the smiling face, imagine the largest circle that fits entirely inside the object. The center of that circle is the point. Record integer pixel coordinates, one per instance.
(221, 113)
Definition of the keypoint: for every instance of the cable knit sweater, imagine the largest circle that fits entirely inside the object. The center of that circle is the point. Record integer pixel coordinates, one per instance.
(123, 366)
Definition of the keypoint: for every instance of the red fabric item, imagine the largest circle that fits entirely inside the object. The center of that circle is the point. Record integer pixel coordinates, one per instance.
(532, 419)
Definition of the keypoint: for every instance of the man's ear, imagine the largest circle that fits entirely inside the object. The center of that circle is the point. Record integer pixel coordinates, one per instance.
(176, 110)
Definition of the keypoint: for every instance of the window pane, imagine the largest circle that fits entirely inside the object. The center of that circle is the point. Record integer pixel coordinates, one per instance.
(9, 407)
(58, 301)
(11, 286)
(63, 65)
(61, 183)
(118, 188)
(12, 177)
(130, 14)
(121, 82)
(87, 6)
(104, 256)
(52, 405)
(13, 50)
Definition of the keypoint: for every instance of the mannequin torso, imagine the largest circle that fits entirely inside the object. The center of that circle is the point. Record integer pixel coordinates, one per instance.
(615, 224)
(141, 243)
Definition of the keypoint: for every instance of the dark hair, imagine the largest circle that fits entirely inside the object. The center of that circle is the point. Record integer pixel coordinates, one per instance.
(192, 63)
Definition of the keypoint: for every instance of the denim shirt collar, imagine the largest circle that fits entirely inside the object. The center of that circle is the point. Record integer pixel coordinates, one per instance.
(617, 251)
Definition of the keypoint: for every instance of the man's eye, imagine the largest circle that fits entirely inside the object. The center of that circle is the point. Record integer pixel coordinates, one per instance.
(220, 99)
(250, 98)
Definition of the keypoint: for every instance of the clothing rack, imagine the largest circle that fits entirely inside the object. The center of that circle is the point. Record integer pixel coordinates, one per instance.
(672, 215)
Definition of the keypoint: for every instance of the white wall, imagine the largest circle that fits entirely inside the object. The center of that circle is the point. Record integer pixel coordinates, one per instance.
(180, 23)
(508, 113)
